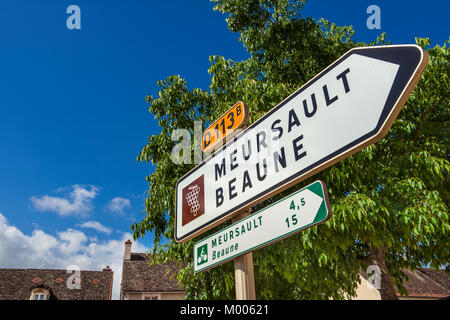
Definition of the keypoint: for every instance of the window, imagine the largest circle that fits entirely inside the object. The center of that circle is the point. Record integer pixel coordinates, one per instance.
(40, 296)
(151, 297)
(40, 293)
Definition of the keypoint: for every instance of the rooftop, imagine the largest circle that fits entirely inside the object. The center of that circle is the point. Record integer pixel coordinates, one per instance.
(427, 283)
(17, 284)
(139, 276)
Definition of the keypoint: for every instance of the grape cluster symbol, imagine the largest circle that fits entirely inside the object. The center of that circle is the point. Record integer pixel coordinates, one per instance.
(192, 199)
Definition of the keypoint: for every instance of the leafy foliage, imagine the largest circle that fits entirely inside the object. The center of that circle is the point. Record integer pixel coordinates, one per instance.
(389, 201)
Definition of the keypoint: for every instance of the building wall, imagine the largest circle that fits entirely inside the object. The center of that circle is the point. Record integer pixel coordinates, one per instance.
(416, 298)
(173, 296)
(366, 291)
(161, 295)
(132, 296)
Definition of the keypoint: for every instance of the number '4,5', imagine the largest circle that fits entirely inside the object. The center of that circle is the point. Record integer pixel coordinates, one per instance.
(293, 206)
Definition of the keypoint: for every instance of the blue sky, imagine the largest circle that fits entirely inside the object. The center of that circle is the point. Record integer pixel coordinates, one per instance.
(73, 115)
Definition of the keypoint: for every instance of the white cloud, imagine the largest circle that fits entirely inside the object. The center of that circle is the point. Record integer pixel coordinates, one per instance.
(118, 204)
(79, 202)
(67, 248)
(96, 226)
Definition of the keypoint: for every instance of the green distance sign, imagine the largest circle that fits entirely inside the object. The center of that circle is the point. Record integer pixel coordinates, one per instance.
(301, 210)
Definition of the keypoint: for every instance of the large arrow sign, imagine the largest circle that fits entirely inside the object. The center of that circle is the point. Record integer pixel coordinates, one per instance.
(349, 105)
(303, 209)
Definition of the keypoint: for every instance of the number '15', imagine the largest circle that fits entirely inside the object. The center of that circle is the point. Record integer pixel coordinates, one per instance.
(292, 221)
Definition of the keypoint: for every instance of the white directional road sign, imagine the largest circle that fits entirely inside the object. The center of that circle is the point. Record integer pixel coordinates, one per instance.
(349, 105)
(298, 211)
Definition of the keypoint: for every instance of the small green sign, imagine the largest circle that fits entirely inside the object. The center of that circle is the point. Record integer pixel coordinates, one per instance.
(298, 211)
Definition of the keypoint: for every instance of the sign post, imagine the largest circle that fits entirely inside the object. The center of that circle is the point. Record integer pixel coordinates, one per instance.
(225, 127)
(348, 106)
(244, 277)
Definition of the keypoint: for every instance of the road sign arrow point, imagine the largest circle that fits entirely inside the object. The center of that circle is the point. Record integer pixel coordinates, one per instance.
(314, 202)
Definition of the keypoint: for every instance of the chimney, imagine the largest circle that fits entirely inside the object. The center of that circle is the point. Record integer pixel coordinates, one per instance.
(127, 253)
(107, 269)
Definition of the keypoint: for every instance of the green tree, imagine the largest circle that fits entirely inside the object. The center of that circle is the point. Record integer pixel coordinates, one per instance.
(389, 201)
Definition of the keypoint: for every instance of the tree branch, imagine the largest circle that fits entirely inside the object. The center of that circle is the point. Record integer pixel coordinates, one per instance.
(368, 261)
(424, 114)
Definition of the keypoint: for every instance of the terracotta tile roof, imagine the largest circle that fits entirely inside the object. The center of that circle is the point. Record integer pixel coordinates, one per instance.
(139, 276)
(427, 283)
(17, 284)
